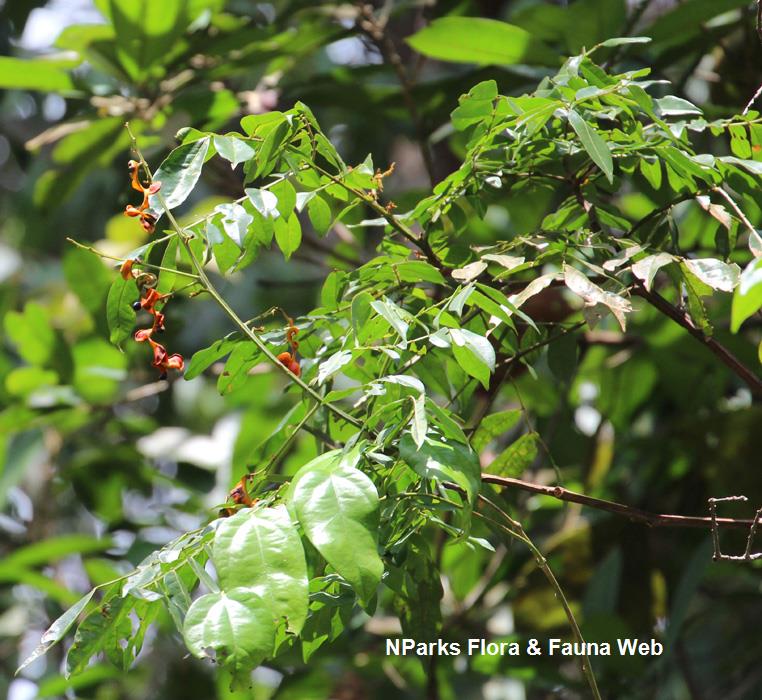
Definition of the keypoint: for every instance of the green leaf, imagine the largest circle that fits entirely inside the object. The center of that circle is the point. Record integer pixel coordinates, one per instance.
(647, 268)
(102, 631)
(145, 32)
(419, 425)
(286, 195)
(264, 201)
(715, 273)
(333, 365)
(119, 312)
(41, 74)
(595, 146)
(242, 358)
(31, 333)
(275, 137)
(320, 215)
(204, 358)
(23, 381)
(233, 149)
(593, 294)
(671, 106)
(747, 299)
(517, 457)
(288, 234)
(338, 507)
(419, 271)
(259, 549)
(480, 40)
(624, 40)
(178, 174)
(476, 106)
(494, 425)
(168, 277)
(235, 221)
(444, 461)
(87, 277)
(361, 314)
(56, 632)
(394, 316)
(474, 353)
(234, 627)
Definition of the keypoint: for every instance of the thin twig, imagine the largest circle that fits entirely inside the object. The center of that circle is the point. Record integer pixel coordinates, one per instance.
(97, 252)
(517, 531)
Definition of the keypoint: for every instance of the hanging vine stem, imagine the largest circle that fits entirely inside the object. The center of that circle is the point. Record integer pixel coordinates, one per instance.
(515, 530)
(212, 290)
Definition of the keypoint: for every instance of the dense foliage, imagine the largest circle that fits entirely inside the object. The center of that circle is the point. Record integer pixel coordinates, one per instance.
(558, 282)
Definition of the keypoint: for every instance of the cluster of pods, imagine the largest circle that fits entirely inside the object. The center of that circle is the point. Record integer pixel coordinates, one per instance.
(149, 298)
(147, 219)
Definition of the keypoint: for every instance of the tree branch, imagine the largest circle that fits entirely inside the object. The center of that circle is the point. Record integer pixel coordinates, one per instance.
(635, 514)
(753, 381)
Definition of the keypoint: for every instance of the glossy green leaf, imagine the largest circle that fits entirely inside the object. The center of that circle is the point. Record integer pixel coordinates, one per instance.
(264, 201)
(233, 627)
(259, 549)
(243, 357)
(233, 149)
(286, 195)
(273, 140)
(328, 368)
(178, 175)
(235, 222)
(338, 507)
(474, 353)
(393, 315)
(101, 631)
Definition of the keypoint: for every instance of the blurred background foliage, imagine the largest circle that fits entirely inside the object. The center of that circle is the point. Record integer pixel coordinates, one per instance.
(100, 464)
